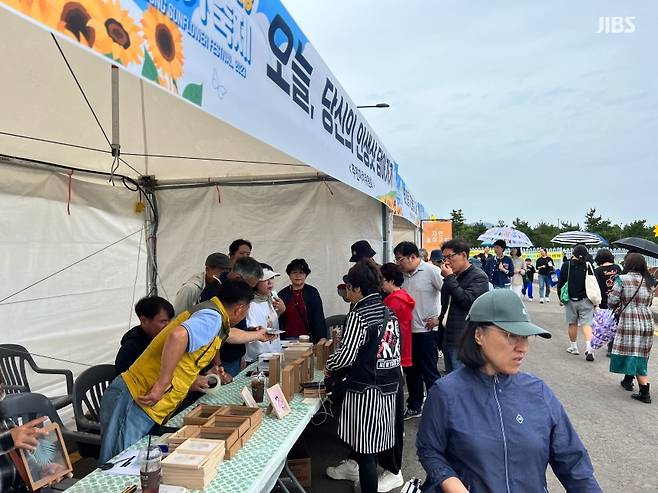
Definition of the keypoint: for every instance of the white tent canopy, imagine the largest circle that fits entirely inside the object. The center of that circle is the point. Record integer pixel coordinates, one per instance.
(74, 248)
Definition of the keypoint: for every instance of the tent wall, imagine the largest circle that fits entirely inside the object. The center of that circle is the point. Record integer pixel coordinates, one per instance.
(403, 230)
(80, 313)
(316, 221)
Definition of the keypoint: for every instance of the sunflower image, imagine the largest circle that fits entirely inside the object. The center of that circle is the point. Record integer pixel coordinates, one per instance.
(117, 35)
(164, 41)
(74, 19)
(40, 10)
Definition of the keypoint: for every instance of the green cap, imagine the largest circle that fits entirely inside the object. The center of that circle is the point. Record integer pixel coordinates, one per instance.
(505, 309)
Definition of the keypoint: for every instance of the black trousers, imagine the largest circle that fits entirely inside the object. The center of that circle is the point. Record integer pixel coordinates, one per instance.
(424, 371)
(367, 472)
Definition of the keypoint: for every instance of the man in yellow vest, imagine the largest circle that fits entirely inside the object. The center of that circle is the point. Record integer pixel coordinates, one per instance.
(152, 388)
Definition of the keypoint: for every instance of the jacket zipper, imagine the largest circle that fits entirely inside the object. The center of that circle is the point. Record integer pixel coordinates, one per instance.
(502, 427)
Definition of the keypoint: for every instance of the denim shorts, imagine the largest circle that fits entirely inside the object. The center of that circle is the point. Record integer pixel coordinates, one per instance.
(580, 312)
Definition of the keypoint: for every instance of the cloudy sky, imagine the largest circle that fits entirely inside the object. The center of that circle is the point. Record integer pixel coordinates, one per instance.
(508, 108)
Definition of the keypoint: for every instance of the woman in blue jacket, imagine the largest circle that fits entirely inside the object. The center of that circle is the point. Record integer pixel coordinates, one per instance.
(490, 428)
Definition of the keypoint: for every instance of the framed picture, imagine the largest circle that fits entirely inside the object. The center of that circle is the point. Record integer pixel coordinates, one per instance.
(248, 399)
(49, 463)
(278, 401)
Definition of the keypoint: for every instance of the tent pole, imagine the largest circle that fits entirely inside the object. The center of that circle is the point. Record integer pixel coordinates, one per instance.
(387, 216)
(115, 111)
(151, 229)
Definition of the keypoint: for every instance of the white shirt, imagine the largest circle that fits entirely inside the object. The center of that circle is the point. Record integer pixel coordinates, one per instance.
(424, 286)
(262, 314)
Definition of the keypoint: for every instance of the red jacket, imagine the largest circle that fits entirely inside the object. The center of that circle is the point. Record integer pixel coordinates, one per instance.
(402, 304)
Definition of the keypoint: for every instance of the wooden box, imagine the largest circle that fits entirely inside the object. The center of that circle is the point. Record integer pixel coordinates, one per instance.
(199, 415)
(255, 414)
(188, 431)
(240, 423)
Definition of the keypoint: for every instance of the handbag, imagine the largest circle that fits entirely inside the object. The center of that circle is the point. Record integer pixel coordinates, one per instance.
(554, 278)
(564, 291)
(336, 384)
(592, 286)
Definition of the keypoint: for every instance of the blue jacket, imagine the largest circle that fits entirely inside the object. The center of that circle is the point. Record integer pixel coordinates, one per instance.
(498, 434)
(496, 276)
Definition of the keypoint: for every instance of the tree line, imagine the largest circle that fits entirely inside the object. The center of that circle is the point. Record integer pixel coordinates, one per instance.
(542, 233)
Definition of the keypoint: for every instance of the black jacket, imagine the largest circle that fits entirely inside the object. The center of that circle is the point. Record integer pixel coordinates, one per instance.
(462, 291)
(576, 279)
(316, 327)
(133, 344)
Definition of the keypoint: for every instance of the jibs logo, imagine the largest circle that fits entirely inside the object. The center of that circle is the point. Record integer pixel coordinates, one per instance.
(616, 25)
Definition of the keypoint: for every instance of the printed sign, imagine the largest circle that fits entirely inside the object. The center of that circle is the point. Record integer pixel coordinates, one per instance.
(244, 61)
(435, 234)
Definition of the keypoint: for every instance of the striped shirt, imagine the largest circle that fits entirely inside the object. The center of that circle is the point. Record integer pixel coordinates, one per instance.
(366, 419)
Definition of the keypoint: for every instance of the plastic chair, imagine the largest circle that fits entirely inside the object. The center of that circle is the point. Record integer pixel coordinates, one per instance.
(13, 360)
(20, 408)
(88, 390)
(335, 321)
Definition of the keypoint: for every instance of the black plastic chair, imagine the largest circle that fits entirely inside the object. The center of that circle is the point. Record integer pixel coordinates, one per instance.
(20, 408)
(88, 390)
(13, 361)
(335, 321)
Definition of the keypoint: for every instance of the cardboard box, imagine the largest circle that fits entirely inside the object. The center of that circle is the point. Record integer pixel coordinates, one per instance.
(301, 469)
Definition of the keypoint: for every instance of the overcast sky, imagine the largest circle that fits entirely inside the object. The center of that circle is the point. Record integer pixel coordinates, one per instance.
(508, 108)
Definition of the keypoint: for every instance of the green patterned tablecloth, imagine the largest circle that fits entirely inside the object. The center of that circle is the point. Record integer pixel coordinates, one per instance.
(252, 467)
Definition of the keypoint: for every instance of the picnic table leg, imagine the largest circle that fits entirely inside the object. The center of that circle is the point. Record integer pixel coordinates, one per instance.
(293, 478)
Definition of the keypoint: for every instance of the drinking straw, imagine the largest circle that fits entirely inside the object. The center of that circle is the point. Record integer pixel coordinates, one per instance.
(148, 449)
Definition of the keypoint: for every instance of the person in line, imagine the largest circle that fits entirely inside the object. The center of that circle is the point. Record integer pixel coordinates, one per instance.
(154, 313)
(462, 285)
(484, 256)
(500, 267)
(579, 309)
(189, 293)
(250, 271)
(361, 250)
(528, 279)
(519, 271)
(436, 258)
(605, 274)
(423, 282)
(152, 388)
(264, 311)
(632, 294)
(238, 249)
(304, 314)
(424, 254)
(400, 303)
(545, 268)
(489, 427)
(370, 348)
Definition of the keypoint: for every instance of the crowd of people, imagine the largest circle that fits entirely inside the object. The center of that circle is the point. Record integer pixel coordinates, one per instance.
(402, 315)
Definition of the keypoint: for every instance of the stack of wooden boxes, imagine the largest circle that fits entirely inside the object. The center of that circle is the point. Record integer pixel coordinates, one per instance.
(194, 463)
(233, 425)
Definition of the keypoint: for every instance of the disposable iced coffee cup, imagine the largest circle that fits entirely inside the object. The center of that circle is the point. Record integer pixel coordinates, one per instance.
(258, 387)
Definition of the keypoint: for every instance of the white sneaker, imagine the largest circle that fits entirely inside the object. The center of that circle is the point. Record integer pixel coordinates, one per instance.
(541, 300)
(388, 481)
(573, 350)
(548, 300)
(530, 300)
(347, 469)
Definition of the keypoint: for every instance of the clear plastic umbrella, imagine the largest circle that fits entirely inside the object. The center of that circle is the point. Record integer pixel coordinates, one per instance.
(513, 237)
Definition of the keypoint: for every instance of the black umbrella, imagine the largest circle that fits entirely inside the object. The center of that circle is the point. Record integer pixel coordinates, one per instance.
(639, 245)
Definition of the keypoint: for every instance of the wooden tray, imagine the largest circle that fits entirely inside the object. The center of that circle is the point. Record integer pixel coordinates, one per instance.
(240, 423)
(255, 414)
(189, 431)
(199, 415)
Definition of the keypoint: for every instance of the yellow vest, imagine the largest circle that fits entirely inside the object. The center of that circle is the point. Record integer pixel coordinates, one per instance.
(145, 371)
